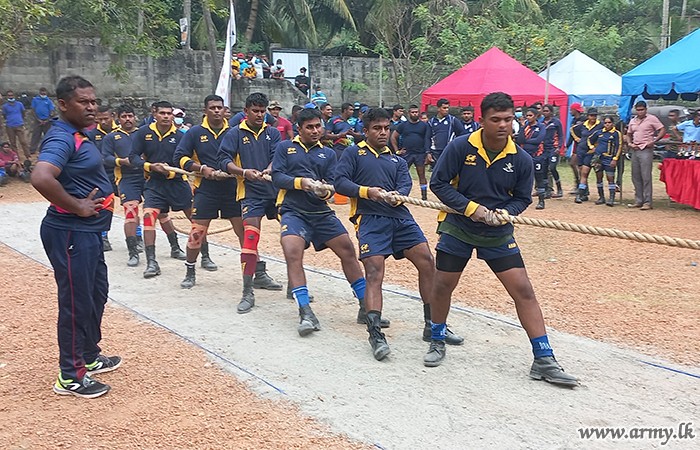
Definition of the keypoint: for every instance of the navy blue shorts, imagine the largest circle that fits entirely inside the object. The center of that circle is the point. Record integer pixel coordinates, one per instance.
(553, 157)
(381, 235)
(131, 188)
(453, 246)
(417, 159)
(175, 194)
(258, 207)
(584, 159)
(212, 205)
(315, 229)
(605, 162)
(541, 163)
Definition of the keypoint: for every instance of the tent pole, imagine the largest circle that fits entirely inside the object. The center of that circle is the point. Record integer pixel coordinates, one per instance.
(546, 87)
(380, 81)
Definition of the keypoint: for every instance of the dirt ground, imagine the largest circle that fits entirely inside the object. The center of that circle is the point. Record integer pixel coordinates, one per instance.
(635, 295)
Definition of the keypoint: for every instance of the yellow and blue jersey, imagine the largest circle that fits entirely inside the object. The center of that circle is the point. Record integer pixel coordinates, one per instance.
(250, 150)
(465, 177)
(582, 131)
(606, 143)
(117, 144)
(294, 161)
(361, 167)
(149, 146)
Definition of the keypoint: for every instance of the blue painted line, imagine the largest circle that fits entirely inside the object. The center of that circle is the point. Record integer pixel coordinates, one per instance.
(668, 368)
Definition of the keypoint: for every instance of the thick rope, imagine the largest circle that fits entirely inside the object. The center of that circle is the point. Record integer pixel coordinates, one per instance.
(187, 232)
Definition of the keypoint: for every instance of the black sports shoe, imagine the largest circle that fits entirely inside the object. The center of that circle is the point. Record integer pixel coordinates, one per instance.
(106, 244)
(377, 340)
(307, 321)
(139, 244)
(248, 299)
(548, 369)
(207, 263)
(362, 315)
(190, 278)
(263, 280)
(131, 246)
(152, 267)
(175, 250)
(85, 387)
(450, 337)
(103, 364)
(436, 354)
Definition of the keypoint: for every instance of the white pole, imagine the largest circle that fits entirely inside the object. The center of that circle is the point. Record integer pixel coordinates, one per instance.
(380, 80)
(546, 88)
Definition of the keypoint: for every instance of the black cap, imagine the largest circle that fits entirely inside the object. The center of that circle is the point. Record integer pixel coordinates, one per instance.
(593, 111)
(302, 69)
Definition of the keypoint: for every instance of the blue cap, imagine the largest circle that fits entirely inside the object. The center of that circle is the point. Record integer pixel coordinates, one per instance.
(364, 109)
(310, 106)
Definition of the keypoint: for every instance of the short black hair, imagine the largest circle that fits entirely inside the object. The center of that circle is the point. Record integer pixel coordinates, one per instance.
(442, 101)
(257, 99)
(397, 107)
(498, 101)
(323, 105)
(675, 111)
(162, 104)
(296, 108)
(279, 61)
(212, 98)
(533, 110)
(468, 108)
(413, 107)
(536, 104)
(5, 143)
(345, 106)
(424, 113)
(308, 114)
(612, 119)
(549, 107)
(640, 104)
(8, 91)
(43, 89)
(153, 105)
(65, 90)
(124, 109)
(103, 109)
(374, 115)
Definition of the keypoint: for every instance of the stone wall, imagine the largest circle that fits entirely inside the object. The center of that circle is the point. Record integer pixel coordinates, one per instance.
(185, 77)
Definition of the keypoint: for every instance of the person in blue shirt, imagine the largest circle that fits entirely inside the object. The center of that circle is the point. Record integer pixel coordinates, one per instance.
(152, 149)
(531, 139)
(470, 125)
(476, 176)
(70, 175)
(13, 111)
(129, 180)
(247, 152)
(306, 217)
(608, 149)
(368, 173)
(691, 128)
(318, 97)
(552, 143)
(341, 131)
(444, 127)
(414, 136)
(214, 197)
(43, 112)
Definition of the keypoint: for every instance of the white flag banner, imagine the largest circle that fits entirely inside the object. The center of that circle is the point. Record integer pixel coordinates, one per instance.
(224, 85)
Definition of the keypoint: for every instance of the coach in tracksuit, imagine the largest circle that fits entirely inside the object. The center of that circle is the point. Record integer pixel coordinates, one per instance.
(70, 174)
(476, 176)
(213, 197)
(153, 147)
(366, 173)
(531, 139)
(247, 151)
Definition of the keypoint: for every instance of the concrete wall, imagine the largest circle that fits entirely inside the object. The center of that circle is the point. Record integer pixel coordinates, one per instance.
(184, 78)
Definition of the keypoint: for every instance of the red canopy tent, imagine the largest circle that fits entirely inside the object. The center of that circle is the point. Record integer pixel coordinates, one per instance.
(494, 71)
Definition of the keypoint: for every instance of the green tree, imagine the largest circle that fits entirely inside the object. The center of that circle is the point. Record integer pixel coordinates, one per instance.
(19, 20)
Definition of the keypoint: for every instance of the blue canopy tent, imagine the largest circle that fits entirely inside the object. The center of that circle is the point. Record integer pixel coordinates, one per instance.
(586, 81)
(669, 74)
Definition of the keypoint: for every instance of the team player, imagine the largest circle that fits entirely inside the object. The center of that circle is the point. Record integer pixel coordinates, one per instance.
(116, 148)
(71, 175)
(247, 151)
(104, 125)
(305, 215)
(414, 136)
(470, 125)
(444, 127)
(212, 196)
(477, 176)
(608, 148)
(552, 143)
(152, 149)
(366, 173)
(531, 138)
(584, 153)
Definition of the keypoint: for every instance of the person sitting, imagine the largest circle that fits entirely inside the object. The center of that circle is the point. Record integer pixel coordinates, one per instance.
(10, 166)
(277, 71)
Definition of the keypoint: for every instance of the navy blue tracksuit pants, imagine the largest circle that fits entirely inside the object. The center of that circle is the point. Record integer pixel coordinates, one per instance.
(81, 275)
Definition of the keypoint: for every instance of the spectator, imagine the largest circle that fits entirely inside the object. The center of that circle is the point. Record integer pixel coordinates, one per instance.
(319, 97)
(43, 111)
(256, 63)
(444, 127)
(150, 119)
(643, 132)
(236, 67)
(396, 119)
(691, 128)
(296, 109)
(341, 132)
(242, 63)
(538, 106)
(265, 66)
(10, 165)
(424, 117)
(518, 112)
(25, 100)
(13, 112)
(359, 124)
(283, 125)
(302, 82)
(326, 115)
(227, 113)
(470, 125)
(250, 71)
(412, 141)
(277, 71)
(675, 135)
(179, 120)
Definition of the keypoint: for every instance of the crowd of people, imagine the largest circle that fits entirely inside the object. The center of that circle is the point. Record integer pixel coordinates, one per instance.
(249, 170)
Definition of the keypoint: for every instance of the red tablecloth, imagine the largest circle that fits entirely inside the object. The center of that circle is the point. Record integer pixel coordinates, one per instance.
(682, 178)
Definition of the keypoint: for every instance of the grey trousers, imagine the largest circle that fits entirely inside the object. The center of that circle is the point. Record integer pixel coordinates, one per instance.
(641, 175)
(37, 134)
